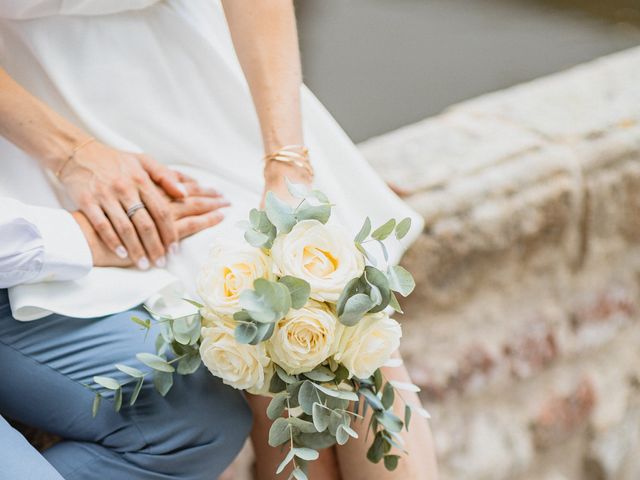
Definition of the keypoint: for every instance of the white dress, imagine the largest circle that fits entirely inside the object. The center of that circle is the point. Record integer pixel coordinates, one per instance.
(160, 77)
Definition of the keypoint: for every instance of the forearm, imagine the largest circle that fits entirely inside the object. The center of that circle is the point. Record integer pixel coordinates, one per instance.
(266, 42)
(34, 127)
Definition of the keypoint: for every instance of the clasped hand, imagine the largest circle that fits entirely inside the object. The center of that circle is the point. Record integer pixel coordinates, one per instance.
(105, 183)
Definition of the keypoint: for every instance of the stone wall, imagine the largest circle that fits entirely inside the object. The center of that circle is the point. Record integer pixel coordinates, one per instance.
(523, 332)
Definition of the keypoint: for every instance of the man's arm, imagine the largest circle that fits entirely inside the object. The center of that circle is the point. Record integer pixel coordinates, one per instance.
(39, 244)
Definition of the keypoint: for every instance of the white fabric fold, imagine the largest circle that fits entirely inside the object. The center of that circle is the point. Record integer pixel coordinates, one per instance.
(165, 80)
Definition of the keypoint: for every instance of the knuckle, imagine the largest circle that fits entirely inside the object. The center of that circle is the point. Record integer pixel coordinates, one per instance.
(120, 186)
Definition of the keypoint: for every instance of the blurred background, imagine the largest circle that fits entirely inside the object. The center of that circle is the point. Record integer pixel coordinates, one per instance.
(524, 328)
(380, 64)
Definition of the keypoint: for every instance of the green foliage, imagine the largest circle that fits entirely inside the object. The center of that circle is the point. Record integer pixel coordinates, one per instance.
(403, 227)
(156, 362)
(299, 290)
(277, 405)
(97, 400)
(268, 302)
(131, 371)
(364, 232)
(400, 280)
(107, 382)
(163, 381)
(384, 230)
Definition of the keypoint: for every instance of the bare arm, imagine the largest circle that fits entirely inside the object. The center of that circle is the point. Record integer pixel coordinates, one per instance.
(102, 181)
(266, 42)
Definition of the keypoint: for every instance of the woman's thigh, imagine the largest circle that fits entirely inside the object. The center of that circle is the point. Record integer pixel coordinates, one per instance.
(49, 362)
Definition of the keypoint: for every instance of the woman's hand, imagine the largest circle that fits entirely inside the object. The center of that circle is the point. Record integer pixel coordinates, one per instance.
(104, 183)
(275, 175)
(192, 215)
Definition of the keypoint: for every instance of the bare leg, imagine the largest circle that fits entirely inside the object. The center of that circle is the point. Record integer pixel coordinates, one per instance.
(419, 464)
(268, 458)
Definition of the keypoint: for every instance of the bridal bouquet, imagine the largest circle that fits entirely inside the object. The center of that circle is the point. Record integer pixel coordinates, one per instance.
(298, 313)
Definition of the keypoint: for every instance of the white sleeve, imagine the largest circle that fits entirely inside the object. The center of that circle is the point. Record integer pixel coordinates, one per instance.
(39, 244)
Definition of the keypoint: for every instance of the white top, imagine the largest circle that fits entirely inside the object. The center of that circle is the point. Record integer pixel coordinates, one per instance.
(159, 77)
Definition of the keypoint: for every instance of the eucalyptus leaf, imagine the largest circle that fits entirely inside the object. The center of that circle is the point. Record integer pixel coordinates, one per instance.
(320, 417)
(391, 462)
(163, 381)
(298, 474)
(320, 374)
(276, 385)
(136, 391)
(406, 386)
(186, 330)
(372, 399)
(301, 426)
(117, 400)
(277, 405)
(279, 432)
(402, 228)
(376, 451)
(384, 230)
(317, 440)
(335, 420)
(367, 255)
(407, 416)
(285, 376)
(97, 400)
(393, 302)
(307, 397)
(146, 323)
(198, 305)
(354, 309)
(388, 395)
(308, 454)
(255, 238)
(265, 330)
(285, 462)
(155, 362)
(364, 232)
(400, 280)
(341, 435)
(377, 379)
(389, 421)
(299, 290)
(350, 431)
(321, 213)
(279, 213)
(131, 371)
(342, 394)
(107, 382)
(189, 364)
(245, 332)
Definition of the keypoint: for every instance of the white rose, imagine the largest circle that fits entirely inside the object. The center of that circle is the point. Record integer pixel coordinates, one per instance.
(238, 365)
(229, 270)
(368, 345)
(323, 255)
(304, 338)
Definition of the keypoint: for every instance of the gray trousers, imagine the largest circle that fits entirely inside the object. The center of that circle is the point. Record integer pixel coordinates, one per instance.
(192, 433)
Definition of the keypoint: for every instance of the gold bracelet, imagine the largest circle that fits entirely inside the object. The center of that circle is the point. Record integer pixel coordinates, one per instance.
(297, 155)
(75, 150)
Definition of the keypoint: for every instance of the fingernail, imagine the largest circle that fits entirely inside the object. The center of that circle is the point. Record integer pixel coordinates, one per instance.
(143, 263)
(174, 248)
(161, 262)
(121, 251)
(183, 189)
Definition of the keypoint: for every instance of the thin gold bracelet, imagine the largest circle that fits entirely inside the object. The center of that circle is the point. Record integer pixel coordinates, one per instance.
(73, 153)
(297, 155)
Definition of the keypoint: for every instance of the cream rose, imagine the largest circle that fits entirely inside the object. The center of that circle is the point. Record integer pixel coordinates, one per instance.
(368, 345)
(229, 270)
(238, 365)
(323, 255)
(304, 338)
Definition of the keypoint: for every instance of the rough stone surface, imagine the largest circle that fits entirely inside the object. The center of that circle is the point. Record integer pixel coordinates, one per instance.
(524, 329)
